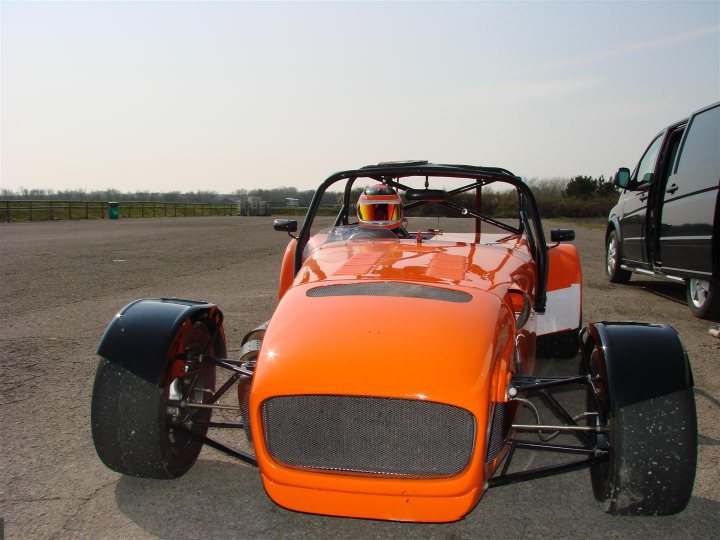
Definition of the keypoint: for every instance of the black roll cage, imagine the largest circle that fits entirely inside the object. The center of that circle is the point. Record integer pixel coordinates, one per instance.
(391, 173)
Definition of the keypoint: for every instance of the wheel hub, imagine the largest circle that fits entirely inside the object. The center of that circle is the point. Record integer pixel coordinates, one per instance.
(612, 256)
(699, 290)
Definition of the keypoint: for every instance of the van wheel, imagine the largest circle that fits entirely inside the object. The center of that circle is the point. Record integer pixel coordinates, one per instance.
(703, 298)
(615, 274)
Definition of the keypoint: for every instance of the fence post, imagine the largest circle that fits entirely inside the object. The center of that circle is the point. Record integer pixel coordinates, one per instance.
(87, 215)
(30, 207)
(7, 210)
(51, 211)
(69, 203)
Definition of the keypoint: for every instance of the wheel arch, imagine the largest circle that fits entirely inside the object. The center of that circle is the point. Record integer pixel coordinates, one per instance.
(613, 225)
(642, 361)
(144, 330)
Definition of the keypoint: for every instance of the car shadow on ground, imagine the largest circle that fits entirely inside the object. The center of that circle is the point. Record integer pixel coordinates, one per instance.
(670, 291)
(219, 499)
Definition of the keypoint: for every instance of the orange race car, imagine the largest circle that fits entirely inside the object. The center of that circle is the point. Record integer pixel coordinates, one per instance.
(389, 381)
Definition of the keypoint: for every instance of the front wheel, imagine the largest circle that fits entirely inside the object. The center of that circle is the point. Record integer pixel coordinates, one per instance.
(135, 417)
(703, 298)
(614, 272)
(651, 447)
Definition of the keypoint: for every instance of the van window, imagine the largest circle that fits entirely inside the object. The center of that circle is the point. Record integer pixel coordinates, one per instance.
(699, 162)
(645, 168)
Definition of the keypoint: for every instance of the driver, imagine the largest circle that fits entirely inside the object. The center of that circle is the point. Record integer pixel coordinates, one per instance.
(380, 207)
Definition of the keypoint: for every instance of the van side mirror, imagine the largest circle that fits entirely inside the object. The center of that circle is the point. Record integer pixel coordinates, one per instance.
(562, 235)
(287, 225)
(622, 178)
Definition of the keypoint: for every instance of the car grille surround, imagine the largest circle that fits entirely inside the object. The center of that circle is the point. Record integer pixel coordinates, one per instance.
(360, 435)
(499, 428)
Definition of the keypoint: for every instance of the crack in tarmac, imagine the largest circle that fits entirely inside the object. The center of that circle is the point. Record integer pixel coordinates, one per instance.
(63, 529)
(707, 396)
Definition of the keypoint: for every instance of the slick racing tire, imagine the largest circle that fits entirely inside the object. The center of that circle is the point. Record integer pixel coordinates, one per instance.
(614, 273)
(135, 419)
(652, 451)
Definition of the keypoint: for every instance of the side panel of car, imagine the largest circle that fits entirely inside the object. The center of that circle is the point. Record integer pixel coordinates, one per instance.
(690, 199)
(564, 296)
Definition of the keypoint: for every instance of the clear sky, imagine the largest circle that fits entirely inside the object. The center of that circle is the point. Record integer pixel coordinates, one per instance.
(188, 96)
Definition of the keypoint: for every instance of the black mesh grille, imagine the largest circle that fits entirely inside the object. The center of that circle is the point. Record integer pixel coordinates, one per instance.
(391, 288)
(369, 435)
(498, 431)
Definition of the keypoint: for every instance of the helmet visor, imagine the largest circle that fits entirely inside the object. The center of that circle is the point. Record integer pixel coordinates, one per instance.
(379, 211)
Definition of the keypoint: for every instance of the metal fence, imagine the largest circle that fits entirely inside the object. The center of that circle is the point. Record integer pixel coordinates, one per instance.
(25, 210)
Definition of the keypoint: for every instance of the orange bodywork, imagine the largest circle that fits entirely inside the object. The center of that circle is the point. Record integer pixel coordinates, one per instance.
(564, 291)
(286, 268)
(459, 354)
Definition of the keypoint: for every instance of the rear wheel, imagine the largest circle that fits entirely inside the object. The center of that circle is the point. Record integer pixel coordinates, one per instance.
(135, 419)
(651, 446)
(614, 273)
(703, 298)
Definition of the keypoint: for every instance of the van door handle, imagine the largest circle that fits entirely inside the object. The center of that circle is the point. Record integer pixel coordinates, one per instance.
(672, 189)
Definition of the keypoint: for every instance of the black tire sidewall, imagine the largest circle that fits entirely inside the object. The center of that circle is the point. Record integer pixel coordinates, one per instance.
(129, 418)
(652, 452)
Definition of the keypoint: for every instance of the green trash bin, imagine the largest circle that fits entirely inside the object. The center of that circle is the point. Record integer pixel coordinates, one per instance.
(113, 210)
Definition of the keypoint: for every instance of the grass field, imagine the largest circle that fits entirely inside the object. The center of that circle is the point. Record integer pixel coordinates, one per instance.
(16, 211)
(20, 211)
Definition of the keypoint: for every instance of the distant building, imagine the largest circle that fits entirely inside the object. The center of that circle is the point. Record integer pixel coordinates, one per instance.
(292, 202)
(254, 207)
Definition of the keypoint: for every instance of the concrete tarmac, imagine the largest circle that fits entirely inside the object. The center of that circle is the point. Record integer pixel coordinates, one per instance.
(62, 282)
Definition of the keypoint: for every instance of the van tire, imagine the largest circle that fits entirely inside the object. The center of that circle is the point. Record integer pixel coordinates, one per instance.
(614, 273)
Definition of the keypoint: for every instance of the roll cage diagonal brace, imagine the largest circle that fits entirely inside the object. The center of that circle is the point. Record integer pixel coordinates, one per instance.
(481, 175)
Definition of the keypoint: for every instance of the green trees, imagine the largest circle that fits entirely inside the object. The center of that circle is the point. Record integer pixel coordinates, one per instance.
(587, 187)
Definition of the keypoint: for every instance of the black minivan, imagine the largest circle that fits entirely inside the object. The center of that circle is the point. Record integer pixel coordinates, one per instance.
(667, 220)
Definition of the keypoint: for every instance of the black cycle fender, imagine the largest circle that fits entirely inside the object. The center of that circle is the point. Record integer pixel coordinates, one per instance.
(141, 333)
(642, 361)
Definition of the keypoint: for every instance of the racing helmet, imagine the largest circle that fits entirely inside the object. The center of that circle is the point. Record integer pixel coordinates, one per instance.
(380, 207)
